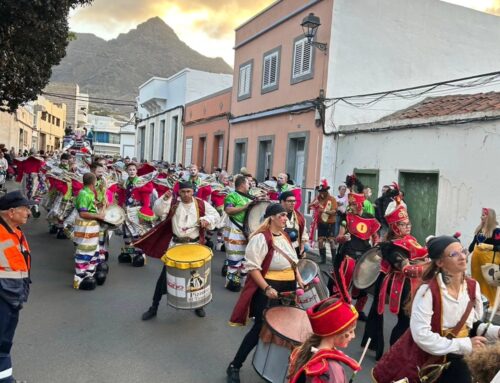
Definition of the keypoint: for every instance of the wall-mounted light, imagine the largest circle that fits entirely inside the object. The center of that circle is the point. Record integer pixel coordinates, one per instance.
(310, 26)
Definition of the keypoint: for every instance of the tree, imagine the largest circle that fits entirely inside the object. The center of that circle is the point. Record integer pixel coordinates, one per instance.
(33, 38)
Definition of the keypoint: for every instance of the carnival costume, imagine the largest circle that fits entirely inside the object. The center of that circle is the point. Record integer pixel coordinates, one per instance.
(31, 174)
(134, 197)
(402, 266)
(235, 241)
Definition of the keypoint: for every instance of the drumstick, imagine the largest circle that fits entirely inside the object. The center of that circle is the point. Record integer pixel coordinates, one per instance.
(361, 359)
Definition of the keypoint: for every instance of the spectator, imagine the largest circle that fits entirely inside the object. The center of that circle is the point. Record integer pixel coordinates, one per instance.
(342, 202)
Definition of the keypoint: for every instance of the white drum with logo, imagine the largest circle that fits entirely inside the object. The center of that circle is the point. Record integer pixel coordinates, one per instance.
(315, 289)
(188, 276)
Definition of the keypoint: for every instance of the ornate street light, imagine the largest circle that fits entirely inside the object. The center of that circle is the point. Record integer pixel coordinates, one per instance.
(310, 26)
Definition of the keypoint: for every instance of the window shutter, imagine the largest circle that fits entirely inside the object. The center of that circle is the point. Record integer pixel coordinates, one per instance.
(273, 71)
(306, 61)
(297, 58)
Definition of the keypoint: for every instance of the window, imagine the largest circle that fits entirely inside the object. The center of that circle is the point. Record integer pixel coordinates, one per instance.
(174, 136)
(240, 154)
(245, 81)
(162, 139)
(302, 68)
(189, 151)
(44, 116)
(151, 140)
(270, 70)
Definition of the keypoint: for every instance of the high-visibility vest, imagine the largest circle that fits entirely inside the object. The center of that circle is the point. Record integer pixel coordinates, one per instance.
(15, 259)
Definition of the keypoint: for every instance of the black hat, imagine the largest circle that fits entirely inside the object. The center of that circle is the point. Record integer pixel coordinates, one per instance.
(285, 195)
(273, 209)
(437, 245)
(186, 185)
(14, 199)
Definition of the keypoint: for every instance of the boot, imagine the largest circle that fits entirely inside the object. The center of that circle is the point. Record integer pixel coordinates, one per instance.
(53, 229)
(100, 277)
(35, 211)
(138, 260)
(60, 234)
(151, 313)
(200, 312)
(88, 283)
(224, 269)
(322, 255)
(124, 258)
(103, 266)
(233, 374)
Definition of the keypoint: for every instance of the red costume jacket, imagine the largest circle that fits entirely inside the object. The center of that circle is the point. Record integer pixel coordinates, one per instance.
(141, 195)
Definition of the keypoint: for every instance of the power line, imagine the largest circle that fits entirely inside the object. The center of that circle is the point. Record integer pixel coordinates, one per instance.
(92, 100)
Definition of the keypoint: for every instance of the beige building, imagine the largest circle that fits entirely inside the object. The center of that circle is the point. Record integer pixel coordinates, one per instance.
(50, 120)
(67, 93)
(16, 129)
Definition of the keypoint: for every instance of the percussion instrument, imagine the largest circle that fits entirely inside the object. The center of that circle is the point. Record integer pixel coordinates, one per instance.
(491, 274)
(254, 216)
(188, 276)
(367, 268)
(315, 289)
(284, 328)
(133, 222)
(114, 215)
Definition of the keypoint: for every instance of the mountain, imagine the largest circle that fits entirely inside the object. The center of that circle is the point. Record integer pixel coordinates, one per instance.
(114, 69)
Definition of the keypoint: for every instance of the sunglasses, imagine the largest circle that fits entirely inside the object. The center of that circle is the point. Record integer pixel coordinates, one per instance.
(457, 253)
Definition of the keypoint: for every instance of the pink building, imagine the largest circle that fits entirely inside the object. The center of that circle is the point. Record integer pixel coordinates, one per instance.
(206, 131)
(275, 126)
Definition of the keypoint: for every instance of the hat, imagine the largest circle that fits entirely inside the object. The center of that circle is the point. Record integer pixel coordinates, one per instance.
(186, 185)
(332, 319)
(397, 215)
(323, 187)
(437, 245)
(285, 195)
(14, 199)
(244, 171)
(273, 209)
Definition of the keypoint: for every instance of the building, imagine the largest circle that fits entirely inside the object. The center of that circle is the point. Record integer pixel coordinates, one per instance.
(442, 151)
(206, 131)
(17, 128)
(161, 104)
(278, 76)
(127, 140)
(82, 109)
(106, 134)
(49, 124)
(67, 93)
(383, 45)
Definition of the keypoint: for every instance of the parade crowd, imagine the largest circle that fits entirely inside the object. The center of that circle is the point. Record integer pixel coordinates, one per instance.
(300, 317)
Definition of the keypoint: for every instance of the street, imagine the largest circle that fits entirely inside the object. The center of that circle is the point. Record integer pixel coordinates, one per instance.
(98, 336)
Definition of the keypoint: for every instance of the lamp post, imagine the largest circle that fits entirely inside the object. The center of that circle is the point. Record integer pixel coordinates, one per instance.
(310, 25)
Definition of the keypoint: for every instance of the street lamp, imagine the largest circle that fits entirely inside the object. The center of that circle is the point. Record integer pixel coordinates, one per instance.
(310, 26)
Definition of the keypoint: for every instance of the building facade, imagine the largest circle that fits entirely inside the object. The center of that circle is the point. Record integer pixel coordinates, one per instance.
(106, 134)
(127, 140)
(278, 76)
(65, 93)
(49, 123)
(160, 108)
(206, 131)
(17, 129)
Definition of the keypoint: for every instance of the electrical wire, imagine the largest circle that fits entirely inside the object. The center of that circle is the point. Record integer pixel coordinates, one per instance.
(91, 100)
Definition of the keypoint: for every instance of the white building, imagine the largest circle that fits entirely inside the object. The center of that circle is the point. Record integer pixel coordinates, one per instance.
(160, 111)
(445, 159)
(106, 134)
(82, 109)
(127, 140)
(381, 45)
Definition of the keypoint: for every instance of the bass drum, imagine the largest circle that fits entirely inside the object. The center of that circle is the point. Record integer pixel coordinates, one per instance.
(254, 217)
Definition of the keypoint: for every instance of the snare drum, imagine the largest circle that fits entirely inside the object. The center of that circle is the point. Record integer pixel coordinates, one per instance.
(114, 216)
(315, 289)
(188, 276)
(255, 216)
(284, 328)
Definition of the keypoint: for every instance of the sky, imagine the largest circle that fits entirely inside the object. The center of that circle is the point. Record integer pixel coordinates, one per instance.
(207, 26)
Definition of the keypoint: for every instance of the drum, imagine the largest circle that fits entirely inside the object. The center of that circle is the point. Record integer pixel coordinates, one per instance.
(188, 276)
(284, 328)
(315, 288)
(367, 268)
(254, 216)
(114, 216)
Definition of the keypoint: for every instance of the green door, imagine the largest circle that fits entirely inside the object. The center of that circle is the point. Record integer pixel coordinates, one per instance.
(421, 194)
(369, 178)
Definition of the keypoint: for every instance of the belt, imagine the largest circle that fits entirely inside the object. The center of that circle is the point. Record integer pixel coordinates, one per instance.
(280, 275)
(177, 239)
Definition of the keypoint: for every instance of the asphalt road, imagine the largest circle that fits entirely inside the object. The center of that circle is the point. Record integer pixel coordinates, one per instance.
(66, 335)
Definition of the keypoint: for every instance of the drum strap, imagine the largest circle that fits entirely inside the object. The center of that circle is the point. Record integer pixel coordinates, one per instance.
(287, 257)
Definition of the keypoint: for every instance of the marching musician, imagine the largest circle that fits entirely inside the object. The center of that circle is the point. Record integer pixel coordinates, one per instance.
(402, 266)
(357, 234)
(325, 214)
(270, 260)
(236, 205)
(444, 324)
(134, 197)
(217, 198)
(296, 224)
(186, 222)
(282, 186)
(200, 191)
(86, 238)
(318, 359)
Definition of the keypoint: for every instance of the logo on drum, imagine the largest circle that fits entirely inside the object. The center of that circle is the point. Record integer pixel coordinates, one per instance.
(196, 282)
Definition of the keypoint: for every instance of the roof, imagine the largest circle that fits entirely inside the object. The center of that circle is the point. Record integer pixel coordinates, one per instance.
(449, 105)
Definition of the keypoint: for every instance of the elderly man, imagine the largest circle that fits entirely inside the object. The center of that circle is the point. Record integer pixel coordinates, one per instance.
(296, 224)
(186, 221)
(15, 261)
(282, 186)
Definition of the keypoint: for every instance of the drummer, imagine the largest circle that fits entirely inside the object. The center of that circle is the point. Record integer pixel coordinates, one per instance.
(236, 205)
(186, 222)
(319, 359)
(296, 225)
(270, 260)
(86, 237)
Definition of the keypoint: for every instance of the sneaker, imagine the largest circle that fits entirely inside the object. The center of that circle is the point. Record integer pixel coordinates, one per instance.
(151, 313)
(200, 312)
(233, 374)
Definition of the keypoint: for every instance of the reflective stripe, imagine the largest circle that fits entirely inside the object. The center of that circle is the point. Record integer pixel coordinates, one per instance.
(4, 262)
(6, 373)
(13, 274)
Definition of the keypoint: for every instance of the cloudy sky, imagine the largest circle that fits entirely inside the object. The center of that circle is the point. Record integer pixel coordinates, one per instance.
(205, 25)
